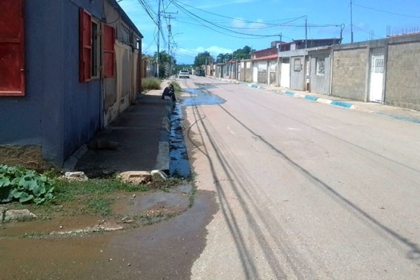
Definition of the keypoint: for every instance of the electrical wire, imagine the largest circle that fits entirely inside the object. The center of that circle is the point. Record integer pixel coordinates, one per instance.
(200, 19)
(387, 12)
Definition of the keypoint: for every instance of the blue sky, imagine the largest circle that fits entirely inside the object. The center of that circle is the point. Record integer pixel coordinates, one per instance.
(224, 26)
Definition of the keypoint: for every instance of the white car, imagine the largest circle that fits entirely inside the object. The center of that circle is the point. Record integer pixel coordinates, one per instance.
(184, 74)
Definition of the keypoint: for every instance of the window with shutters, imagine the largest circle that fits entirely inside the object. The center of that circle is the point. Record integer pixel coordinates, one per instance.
(108, 51)
(90, 47)
(85, 49)
(96, 49)
(12, 49)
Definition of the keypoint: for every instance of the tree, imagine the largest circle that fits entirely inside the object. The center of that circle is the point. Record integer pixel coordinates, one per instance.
(244, 53)
(220, 58)
(203, 59)
(164, 59)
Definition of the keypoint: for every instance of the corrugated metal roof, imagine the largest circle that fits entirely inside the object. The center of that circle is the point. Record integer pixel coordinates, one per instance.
(125, 17)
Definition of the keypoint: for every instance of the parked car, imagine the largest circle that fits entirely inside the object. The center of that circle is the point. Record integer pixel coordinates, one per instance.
(184, 74)
(200, 72)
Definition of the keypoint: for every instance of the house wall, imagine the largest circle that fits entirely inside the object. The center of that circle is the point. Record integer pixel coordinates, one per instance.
(349, 78)
(403, 75)
(81, 101)
(262, 73)
(320, 83)
(58, 113)
(120, 91)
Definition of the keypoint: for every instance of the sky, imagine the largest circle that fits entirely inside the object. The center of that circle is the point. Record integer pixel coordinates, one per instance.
(223, 26)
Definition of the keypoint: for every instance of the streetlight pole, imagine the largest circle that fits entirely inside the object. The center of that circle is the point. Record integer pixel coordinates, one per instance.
(158, 40)
(351, 19)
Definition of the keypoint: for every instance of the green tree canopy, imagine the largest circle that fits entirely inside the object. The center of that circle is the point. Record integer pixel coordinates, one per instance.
(203, 59)
(244, 53)
(164, 57)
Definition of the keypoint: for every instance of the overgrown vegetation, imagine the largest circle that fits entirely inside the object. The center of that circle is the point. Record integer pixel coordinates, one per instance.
(151, 83)
(25, 186)
(177, 87)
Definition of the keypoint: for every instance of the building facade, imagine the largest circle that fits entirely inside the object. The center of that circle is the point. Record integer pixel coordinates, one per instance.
(62, 68)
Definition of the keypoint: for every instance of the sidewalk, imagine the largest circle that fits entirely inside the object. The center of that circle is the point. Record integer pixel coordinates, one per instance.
(137, 140)
(369, 107)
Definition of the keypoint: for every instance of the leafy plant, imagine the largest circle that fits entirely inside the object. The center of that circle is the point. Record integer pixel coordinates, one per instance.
(177, 87)
(23, 185)
(151, 83)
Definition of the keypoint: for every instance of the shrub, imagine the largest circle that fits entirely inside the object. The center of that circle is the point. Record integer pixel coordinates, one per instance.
(177, 87)
(23, 185)
(151, 83)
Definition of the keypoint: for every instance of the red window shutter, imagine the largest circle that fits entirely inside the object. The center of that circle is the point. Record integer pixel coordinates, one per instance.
(12, 48)
(109, 51)
(85, 39)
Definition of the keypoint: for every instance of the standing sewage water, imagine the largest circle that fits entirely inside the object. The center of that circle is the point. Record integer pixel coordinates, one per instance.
(179, 163)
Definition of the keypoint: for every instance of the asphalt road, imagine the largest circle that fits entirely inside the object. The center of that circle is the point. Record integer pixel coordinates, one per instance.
(305, 190)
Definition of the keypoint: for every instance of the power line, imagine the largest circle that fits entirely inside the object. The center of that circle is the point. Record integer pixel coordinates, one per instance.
(387, 12)
(200, 19)
(248, 21)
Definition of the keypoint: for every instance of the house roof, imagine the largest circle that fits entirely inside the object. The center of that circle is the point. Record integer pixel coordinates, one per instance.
(267, 57)
(125, 17)
(324, 39)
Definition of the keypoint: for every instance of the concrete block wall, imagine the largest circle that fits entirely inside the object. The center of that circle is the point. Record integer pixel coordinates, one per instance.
(350, 73)
(403, 76)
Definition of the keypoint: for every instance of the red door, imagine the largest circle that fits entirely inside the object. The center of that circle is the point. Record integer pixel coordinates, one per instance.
(12, 51)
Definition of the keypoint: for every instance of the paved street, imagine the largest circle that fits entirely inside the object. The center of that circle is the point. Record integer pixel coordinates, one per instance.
(305, 190)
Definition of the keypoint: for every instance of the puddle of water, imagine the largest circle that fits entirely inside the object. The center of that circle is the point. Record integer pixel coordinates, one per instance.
(179, 162)
(199, 97)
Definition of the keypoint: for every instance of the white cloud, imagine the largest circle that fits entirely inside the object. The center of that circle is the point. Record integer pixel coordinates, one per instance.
(213, 50)
(258, 24)
(238, 23)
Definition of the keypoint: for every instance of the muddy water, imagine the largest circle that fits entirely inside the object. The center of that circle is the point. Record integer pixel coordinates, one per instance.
(54, 258)
(162, 251)
(179, 162)
(166, 250)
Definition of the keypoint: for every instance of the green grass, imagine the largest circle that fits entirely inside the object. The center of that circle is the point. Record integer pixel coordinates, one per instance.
(100, 205)
(68, 190)
(151, 83)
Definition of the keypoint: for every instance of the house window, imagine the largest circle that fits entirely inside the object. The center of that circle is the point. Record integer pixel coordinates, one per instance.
(108, 51)
(297, 65)
(12, 51)
(90, 57)
(320, 66)
(96, 50)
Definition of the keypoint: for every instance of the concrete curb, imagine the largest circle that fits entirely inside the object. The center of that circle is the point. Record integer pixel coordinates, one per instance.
(341, 104)
(163, 157)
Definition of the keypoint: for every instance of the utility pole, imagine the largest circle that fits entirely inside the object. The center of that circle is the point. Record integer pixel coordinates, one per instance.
(169, 39)
(341, 32)
(158, 39)
(351, 19)
(306, 32)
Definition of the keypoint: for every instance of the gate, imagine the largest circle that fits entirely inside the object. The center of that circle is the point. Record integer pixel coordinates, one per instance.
(285, 73)
(376, 75)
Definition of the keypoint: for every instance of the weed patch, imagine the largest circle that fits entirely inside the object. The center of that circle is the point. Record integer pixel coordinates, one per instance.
(100, 205)
(151, 83)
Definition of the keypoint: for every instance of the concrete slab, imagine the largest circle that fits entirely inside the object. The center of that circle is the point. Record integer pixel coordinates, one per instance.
(140, 136)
